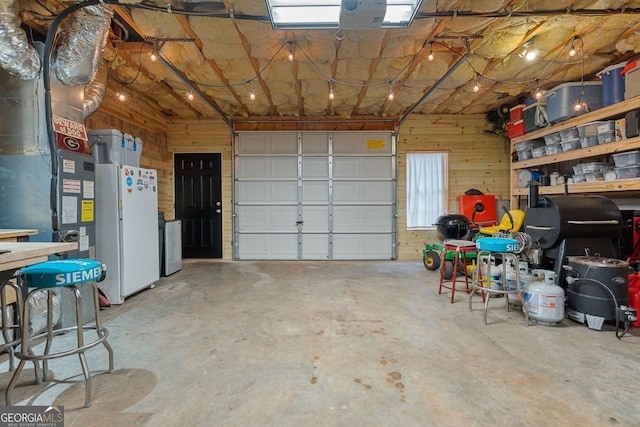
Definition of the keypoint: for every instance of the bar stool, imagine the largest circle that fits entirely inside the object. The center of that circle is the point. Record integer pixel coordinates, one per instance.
(489, 250)
(462, 249)
(70, 274)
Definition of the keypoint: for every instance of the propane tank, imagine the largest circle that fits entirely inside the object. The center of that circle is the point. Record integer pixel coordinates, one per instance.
(544, 299)
(525, 277)
(495, 276)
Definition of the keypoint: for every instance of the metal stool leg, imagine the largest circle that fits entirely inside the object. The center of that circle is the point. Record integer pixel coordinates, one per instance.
(81, 347)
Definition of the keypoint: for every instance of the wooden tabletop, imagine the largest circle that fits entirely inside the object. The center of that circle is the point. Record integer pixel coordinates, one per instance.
(27, 253)
(14, 233)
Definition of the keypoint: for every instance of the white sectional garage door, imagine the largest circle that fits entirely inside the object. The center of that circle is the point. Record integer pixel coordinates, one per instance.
(315, 195)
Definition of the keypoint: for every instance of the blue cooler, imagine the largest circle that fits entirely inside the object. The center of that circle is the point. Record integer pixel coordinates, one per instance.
(612, 84)
(562, 99)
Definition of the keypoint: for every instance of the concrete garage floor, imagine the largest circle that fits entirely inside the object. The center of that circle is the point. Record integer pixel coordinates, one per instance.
(224, 343)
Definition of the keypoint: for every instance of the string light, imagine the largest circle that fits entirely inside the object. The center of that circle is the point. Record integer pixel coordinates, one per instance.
(290, 51)
(252, 93)
(391, 96)
(538, 94)
(190, 96)
(154, 54)
(122, 97)
(572, 51)
(331, 94)
(430, 57)
(476, 86)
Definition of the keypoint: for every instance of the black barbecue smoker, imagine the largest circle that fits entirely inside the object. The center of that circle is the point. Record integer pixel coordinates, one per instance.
(571, 225)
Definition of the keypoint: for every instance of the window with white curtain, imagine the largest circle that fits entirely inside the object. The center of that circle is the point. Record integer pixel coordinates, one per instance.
(426, 188)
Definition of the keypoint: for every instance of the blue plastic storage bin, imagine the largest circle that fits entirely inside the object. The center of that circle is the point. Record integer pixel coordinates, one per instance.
(562, 99)
(612, 84)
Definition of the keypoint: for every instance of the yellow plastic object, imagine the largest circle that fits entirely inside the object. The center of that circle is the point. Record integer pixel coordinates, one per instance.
(505, 223)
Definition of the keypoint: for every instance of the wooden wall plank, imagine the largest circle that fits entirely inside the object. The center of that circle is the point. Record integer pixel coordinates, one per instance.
(477, 159)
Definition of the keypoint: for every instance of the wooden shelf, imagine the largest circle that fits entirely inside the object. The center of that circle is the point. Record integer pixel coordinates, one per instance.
(585, 187)
(614, 110)
(581, 153)
(630, 186)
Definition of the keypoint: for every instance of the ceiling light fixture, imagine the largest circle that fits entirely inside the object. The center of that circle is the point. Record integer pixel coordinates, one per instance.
(331, 94)
(430, 57)
(190, 96)
(323, 14)
(121, 96)
(391, 96)
(476, 85)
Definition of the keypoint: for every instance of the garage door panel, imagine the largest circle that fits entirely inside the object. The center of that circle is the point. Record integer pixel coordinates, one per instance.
(315, 246)
(315, 167)
(264, 143)
(315, 218)
(315, 192)
(315, 143)
(267, 218)
(314, 195)
(363, 168)
(267, 192)
(362, 246)
(361, 143)
(268, 167)
(268, 246)
(363, 192)
(362, 218)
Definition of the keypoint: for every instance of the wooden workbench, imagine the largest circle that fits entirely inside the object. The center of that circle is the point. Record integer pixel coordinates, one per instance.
(22, 254)
(15, 234)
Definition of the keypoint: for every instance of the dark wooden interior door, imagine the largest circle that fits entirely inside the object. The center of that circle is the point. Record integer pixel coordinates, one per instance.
(198, 193)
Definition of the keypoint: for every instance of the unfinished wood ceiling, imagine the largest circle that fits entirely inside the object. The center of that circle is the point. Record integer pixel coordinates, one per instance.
(221, 51)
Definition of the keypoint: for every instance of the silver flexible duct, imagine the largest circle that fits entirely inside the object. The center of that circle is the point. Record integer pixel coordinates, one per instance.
(83, 36)
(17, 56)
(95, 91)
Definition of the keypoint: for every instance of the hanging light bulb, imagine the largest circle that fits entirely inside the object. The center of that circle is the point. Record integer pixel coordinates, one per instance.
(391, 96)
(476, 86)
(572, 51)
(331, 94)
(290, 51)
(154, 54)
(430, 57)
(122, 97)
(190, 96)
(538, 93)
(252, 94)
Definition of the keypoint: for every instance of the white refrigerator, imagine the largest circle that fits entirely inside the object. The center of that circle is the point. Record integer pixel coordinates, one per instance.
(127, 228)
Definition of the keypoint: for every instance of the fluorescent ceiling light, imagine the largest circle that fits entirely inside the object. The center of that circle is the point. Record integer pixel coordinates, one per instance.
(319, 14)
